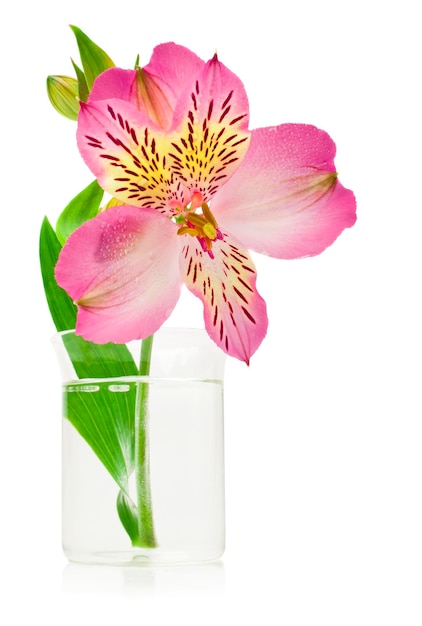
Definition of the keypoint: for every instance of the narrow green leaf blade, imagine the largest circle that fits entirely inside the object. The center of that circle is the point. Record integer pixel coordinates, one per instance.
(62, 309)
(94, 59)
(128, 515)
(101, 411)
(83, 90)
(63, 94)
(92, 360)
(105, 419)
(81, 208)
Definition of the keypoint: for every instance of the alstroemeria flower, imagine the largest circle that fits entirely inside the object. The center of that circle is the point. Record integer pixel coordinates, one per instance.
(198, 189)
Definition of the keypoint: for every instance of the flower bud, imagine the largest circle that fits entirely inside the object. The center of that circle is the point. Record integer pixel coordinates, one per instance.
(63, 94)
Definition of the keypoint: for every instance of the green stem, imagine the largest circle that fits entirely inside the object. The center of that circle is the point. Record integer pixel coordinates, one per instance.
(143, 483)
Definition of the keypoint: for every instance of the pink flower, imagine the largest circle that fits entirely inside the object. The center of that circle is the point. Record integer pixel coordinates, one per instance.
(197, 188)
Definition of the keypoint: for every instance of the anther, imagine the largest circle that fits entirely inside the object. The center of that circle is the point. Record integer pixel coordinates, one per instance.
(208, 215)
(209, 231)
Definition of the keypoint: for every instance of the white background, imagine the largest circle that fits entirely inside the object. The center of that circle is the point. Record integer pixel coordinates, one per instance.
(323, 431)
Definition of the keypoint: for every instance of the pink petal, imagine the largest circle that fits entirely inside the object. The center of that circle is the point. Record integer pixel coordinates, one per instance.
(128, 154)
(113, 83)
(122, 270)
(174, 66)
(210, 129)
(147, 93)
(285, 199)
(155, 90)
(234, 312)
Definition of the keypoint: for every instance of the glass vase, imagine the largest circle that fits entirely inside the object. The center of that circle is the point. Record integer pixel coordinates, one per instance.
(143, 454)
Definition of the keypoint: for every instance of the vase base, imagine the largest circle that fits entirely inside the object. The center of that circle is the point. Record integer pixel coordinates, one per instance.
(141, 558)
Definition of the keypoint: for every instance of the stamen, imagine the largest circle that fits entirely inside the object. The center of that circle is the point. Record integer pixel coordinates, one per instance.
(186, 230)
(203, 226)
(209, 231)
(197, 220)
(208, 215)
(203, 243)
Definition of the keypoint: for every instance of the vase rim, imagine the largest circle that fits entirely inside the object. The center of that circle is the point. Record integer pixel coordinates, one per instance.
(162, 329)
(177, 352)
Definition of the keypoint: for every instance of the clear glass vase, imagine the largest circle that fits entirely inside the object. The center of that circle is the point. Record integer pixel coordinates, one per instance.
(143, 455)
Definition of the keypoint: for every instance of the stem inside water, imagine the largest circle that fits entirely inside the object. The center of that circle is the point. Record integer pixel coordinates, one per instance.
(142, 461)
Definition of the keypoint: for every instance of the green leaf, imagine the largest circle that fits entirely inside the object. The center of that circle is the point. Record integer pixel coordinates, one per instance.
(94, 59)
(62, 309)
(105, 418)
(83, 90)
(103, 414)
(63, 94)
(93, 360)
(83, 207)
(128, 515)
